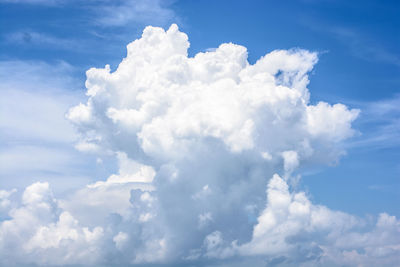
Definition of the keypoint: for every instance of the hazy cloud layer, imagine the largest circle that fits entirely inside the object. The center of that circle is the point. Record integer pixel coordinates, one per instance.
(36, 140)
(110, 13)
(207, 149)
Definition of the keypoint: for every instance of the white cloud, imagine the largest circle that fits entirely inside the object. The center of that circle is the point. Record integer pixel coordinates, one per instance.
(197, 140)
(129, 172)
(290, 160)
(38, 227)
(120, 239)
(333, 122)
(228, 100)
(5, 202)
(114, 195)
(293, 228)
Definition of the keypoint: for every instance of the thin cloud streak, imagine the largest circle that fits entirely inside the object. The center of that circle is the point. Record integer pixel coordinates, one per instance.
(379, 122)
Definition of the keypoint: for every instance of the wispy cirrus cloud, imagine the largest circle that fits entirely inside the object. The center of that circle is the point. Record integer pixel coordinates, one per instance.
(114, 21)
(34, 2)
(37, 141)
(364, 47)
(44, 41)
(360, 44)
(117, 13)
(123, 13)
(379, 123)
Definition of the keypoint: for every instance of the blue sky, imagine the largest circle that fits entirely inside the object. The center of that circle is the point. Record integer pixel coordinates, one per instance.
(47, 45)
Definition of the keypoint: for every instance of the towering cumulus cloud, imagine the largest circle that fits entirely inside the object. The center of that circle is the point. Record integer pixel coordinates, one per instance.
(208, 149)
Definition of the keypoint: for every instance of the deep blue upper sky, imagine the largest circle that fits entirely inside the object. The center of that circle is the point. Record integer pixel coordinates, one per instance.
(359, 65)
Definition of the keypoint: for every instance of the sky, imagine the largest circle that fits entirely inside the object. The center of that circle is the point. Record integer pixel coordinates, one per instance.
(199, 133)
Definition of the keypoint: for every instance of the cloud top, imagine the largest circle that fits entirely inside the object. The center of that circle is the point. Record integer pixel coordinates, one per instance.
(168, 104)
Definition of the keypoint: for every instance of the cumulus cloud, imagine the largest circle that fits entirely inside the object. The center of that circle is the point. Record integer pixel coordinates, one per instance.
(297, 230)
(207, 147)
(171, 104)
(43, 233)
(5, 202)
